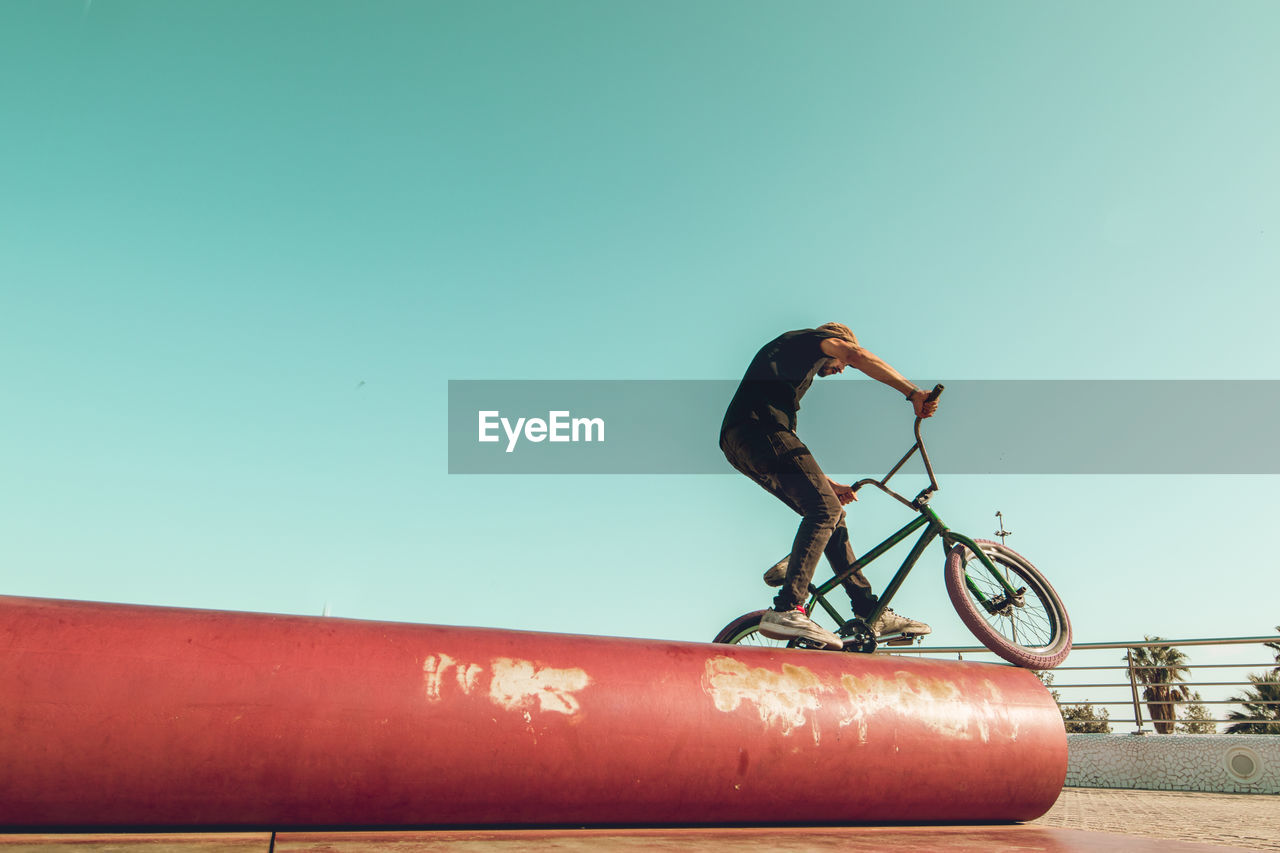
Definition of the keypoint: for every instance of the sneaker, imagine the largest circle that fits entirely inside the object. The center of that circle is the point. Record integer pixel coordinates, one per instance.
(795, 625)
(777, 573)
(891, 623)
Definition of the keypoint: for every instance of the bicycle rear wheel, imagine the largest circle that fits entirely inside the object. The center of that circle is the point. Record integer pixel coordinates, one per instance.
(1032, 630)
(745, 631)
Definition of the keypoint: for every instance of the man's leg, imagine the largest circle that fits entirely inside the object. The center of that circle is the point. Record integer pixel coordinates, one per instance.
(780, 463)
(840, 555)
(758, 457)
(859, 590)
(783, 465)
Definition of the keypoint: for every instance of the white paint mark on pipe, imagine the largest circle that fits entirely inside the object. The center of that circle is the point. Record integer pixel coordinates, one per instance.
(783, 699)
(787, 700)
(521, 684)
(516, 685)
(434, 669)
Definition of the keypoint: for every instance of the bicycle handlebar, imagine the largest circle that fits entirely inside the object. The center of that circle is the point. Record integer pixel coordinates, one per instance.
(933, 395)
(924, 455)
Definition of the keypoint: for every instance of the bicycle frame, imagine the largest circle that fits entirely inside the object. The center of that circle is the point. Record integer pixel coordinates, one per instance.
(933, 528)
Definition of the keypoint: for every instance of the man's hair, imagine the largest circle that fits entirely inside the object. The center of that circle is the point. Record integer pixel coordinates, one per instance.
(841, 330)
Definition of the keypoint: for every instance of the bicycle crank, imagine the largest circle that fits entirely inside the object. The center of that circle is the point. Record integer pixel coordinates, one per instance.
(857, 637)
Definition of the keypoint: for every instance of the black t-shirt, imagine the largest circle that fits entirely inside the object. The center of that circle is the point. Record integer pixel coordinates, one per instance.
(777, 378)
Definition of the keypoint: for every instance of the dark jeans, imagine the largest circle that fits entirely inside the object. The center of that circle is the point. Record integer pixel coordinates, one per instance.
(778, 460)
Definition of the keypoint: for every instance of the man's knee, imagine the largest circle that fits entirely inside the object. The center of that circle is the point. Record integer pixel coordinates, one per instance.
(826, 514)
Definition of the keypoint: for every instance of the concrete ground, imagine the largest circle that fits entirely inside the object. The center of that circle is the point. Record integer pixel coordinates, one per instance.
(1250, 821)
(1083, 819)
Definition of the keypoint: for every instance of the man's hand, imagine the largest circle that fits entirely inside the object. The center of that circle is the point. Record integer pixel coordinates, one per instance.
(844, 494)
(923, 409)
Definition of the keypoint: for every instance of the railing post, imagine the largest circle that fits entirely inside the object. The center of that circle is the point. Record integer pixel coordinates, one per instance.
(1133, 685)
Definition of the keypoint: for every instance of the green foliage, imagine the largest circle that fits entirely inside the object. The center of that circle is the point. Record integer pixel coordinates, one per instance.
(1079, 719)
(1196, 718)
(1046, 678)
(1085, 719)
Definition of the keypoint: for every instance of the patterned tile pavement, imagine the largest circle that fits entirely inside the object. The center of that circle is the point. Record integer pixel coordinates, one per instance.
(1251, 821)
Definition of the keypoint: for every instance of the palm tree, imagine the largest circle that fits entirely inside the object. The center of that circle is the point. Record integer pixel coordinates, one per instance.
(1157, 668)
(1261, 715)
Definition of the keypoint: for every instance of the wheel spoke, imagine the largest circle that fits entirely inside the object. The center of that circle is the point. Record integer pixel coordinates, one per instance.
(1030, 625)
(753, 637)
(1033, 629)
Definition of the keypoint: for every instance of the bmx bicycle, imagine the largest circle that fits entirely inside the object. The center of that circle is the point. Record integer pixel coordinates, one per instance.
(1001, 597)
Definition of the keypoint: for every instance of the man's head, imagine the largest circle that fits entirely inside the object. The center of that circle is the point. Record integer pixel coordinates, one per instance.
(835, 365)
(841, 331)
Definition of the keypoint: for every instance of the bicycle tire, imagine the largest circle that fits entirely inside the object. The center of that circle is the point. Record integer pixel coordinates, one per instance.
(1046, 640)
(745, 631)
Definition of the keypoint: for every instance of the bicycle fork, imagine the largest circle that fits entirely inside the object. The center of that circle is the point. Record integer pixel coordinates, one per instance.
(1010, 597)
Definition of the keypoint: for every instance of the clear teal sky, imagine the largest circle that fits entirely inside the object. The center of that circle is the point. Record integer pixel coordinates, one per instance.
(244, 245)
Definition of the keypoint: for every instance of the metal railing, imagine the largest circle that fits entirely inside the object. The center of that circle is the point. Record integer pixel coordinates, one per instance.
(1120, 682)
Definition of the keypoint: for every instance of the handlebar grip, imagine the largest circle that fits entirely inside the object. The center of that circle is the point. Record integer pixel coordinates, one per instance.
(935, 393)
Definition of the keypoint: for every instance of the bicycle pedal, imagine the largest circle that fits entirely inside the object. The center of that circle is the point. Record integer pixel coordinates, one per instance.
(904, 640)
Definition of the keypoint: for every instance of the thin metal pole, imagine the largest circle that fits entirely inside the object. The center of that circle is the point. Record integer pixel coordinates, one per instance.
(1002, 533)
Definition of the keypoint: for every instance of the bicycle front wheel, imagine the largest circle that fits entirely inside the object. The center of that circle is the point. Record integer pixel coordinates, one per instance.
(1031, 629)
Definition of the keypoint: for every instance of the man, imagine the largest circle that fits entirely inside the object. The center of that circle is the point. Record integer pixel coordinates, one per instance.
(758, 438)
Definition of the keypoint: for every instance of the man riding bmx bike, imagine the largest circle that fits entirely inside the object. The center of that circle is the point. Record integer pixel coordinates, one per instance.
(758, 438)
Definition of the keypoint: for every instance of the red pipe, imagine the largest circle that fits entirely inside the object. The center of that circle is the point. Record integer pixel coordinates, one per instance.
(118, 715)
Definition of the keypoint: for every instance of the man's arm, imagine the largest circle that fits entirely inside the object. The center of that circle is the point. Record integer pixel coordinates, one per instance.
(877, 368)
